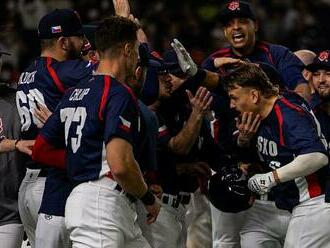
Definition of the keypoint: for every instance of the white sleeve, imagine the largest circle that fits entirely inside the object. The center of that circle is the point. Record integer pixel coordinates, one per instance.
(303, 165)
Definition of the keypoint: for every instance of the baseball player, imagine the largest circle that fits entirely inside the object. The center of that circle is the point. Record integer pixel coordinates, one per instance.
(11, 170)
(320, 68)
(44, 83)
(292, 148)
(240, 28)
(100, 211)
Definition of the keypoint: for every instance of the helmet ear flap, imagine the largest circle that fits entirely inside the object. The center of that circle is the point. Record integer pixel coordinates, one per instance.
(228, 190)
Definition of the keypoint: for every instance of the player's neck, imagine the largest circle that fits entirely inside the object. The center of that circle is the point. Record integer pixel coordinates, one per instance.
(52, 54)
(113, 69)
(267, 105)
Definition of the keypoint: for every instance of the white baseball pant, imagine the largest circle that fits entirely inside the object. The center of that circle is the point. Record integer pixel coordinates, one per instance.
(11, 235)
(169, 230)
(226, 228)
(309, 225)
(29, 201)
(51, 232)
(265, 226)
(97, 216)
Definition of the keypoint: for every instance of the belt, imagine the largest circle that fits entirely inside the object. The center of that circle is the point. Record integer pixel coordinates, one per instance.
(175, 200)
(120, 190)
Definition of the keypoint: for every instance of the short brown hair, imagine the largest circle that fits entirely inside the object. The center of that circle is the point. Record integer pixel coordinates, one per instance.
(250, 75)
(113, 32)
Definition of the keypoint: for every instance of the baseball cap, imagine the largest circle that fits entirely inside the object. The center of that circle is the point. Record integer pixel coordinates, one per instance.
(89, 31)
(321, 61)
(60, 22)
(233, 9)
(171, 63)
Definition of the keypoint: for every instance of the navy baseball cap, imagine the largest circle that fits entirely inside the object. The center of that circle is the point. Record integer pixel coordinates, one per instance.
(150, 91)
(321, 61)
(60, 22)
(89, 31)
(233, 9)
(171, 63)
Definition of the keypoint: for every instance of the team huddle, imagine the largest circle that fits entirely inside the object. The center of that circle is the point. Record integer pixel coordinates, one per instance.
(124, 147)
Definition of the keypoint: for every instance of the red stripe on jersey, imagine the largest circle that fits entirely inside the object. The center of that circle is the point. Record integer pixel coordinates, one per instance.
(264, 47)
(130, 91)
(124, 128)
(292, 106)
(106, 89)
(54, 76)
(223, 52)
(314, 188)
(280, 123)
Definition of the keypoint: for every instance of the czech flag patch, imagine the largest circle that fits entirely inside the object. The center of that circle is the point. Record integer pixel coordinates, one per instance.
(56, 29)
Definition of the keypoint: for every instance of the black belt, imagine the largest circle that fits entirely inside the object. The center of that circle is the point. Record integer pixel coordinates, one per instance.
(175, 200)
(131, 198)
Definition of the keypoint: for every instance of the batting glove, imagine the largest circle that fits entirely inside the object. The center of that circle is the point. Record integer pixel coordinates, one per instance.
(186, 63)
(262, 183)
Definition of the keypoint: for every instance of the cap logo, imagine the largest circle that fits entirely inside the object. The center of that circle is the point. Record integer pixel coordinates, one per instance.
(234, 5)
(56, 29)
(324, 56)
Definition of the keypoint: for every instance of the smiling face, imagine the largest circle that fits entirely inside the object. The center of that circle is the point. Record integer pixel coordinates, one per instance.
(241, 34)
(321, 83)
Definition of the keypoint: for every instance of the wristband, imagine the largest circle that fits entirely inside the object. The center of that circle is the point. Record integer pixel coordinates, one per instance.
(16, 143)
(148, 198)
(275, 175)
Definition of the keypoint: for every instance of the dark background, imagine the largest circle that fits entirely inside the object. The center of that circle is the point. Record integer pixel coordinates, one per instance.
(297, 24)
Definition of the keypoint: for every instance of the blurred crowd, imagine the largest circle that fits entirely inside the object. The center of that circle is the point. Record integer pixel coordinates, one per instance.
(299, 24)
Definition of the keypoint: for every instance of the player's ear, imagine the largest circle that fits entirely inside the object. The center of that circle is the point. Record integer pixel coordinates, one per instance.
(138, 73)
(127, 49)
(255, 95)
(63, 43)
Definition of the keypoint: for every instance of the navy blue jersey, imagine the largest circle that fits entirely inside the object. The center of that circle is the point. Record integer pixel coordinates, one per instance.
(288, 131)
(146, 157)
(97, 110)
(287, 64)
(45, 82)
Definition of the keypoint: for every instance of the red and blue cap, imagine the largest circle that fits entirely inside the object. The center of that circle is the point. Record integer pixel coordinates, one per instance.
(321, 61)
(235, 9)
(60, 22)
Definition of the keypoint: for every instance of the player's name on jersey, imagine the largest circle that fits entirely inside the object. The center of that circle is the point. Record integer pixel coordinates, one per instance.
(27, 77)
(267, 147)
(78, 94)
